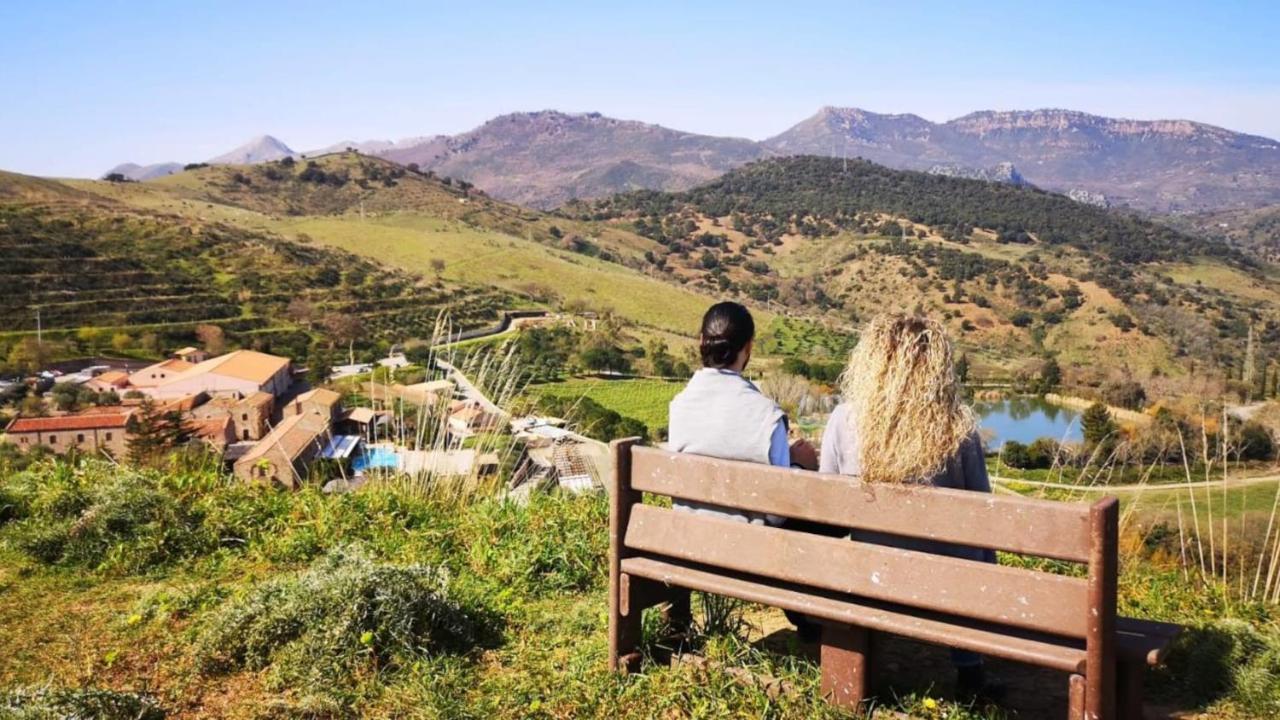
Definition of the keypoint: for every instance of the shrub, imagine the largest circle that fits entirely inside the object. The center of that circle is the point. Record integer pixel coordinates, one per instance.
(347, 613)
(1255, 444)
(1125, 393)
(81, 704)
(555, 544)
(1042, 452)
(1014, 454)
(1230, 658)
(100, 516)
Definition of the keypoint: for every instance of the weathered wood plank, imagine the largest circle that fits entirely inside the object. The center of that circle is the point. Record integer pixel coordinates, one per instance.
(624, 627)
(1013, 524)
(1055, 653)
(1100, 640)
(1018, 597)
(845, 658)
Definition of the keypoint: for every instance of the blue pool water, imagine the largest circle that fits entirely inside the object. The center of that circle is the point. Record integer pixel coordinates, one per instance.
(375, 458)
(1025, 419)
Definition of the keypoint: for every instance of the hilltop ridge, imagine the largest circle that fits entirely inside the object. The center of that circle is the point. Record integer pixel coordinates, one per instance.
(545, 158)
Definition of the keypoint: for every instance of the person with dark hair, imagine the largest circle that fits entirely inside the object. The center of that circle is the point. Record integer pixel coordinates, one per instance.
(722, 414)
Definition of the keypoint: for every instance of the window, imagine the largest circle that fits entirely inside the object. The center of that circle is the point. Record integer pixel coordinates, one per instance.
(80, 437)
(53, 439)
(244, 416)
(108, 436)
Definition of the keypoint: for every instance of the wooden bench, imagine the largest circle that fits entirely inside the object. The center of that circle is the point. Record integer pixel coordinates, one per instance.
(857, 588)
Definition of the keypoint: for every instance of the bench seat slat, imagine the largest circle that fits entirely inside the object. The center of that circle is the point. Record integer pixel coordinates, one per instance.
(1010, 596)
(1043, 650)
(1012, 524)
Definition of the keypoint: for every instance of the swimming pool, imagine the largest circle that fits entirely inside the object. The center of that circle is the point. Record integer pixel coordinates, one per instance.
(374, 458)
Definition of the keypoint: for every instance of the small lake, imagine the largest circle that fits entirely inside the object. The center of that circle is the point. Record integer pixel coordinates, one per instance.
(1025, 419)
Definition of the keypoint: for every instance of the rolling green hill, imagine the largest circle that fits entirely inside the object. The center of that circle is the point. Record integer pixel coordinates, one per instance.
(89, 262)
(1017, 272)
(418, 223)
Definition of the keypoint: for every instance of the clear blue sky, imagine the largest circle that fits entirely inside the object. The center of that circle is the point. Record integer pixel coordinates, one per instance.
(89, 84)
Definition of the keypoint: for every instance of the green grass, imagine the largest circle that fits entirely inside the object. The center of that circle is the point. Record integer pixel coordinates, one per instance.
(471, 253)
(644, 400)
(299, 604)
(482, 257)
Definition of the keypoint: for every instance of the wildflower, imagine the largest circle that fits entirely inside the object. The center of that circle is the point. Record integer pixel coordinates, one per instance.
(930, 704)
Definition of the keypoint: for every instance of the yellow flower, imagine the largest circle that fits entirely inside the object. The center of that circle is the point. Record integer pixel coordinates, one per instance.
(134, 619)
(930, 704)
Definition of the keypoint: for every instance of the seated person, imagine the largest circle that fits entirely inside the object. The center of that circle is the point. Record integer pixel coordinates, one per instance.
(902, 420)
(722, 414)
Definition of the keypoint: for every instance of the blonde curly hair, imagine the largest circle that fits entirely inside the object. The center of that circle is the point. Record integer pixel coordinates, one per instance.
(904, 399)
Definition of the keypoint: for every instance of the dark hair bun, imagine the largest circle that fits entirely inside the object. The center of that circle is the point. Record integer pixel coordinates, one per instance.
(726, 329)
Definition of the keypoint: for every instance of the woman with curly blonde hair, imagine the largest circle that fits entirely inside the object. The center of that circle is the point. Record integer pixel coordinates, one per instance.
(902, 420)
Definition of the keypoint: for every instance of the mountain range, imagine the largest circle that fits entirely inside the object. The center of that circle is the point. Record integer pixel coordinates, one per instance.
(544, 159)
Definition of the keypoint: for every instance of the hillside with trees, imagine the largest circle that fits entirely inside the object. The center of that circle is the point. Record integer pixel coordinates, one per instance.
(1018, 273)
(105, 277)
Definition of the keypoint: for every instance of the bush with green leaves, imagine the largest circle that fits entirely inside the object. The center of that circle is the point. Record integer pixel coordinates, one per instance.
(100, 516)
(1232, 659)
(77, 704)
(554, 544)
(322, 628)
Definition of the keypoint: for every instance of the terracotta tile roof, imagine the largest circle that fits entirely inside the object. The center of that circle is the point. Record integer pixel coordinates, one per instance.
(113, 377)
(291, 436)
(185, 404)
(259, 399)
(322, 396)
(211, 428)
(241, 364)
(88, 421)
(170, 368)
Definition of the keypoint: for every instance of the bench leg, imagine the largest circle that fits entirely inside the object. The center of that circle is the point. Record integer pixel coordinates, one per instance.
(1075, 698)
(625, 628)
(845, 663)
(1129, 690)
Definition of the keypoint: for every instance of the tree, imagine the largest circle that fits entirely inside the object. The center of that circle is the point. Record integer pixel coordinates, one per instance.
(29, 355)
(301, 311)
(1098, 428)
(1256, 442)
(661, 363)
(344, 329)
(1014, 454)
(1050, 376)
(153, 432)
(962, 368)
(121, 342)
(213, 338)
(1125, 393)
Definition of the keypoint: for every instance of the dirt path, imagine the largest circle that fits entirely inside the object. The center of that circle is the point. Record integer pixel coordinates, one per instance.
(1142, 487)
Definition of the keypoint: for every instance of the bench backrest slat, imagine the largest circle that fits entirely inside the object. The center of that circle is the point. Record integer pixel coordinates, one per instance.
(1013, 524)
(1018, 597)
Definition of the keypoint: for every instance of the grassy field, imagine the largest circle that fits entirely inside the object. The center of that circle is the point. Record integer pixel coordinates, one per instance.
(217, 599)
(477, 256)
(644, 400)
(1216, 276)
(411, 240)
